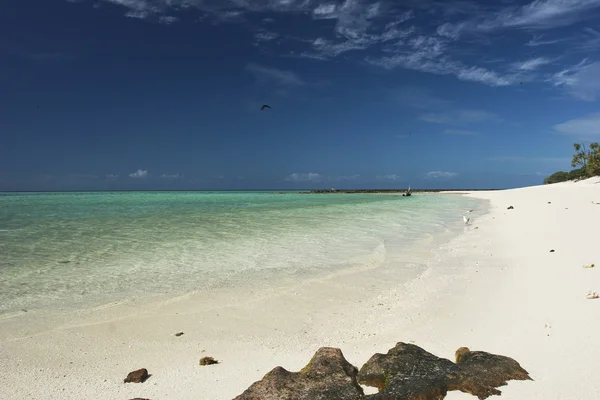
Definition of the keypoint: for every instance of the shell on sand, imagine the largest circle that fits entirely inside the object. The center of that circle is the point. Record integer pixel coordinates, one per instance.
(589, 266)
(592, 295)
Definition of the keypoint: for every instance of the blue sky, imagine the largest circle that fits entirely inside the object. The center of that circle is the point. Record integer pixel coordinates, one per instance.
(165, 94)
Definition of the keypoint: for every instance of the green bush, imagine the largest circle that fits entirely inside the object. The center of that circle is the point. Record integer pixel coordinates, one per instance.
(579, 173)
(589, 159)
(560, 176)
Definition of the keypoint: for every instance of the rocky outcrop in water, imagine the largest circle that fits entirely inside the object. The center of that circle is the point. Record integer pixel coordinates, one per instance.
(328, 376)
(406, 372)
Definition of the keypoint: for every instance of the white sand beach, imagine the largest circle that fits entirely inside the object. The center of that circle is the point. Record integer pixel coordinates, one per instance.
(496, 287)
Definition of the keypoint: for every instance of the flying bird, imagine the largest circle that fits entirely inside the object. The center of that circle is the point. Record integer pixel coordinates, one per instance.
(265, 106)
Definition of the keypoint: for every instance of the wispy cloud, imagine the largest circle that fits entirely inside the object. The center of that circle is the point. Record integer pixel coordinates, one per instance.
(140, 173)
(301, 177)
(167, 19)
(429, 54)
(538, 40)
(459, 132)
(531, 64)
(458, 117)
(269, 75)
(340, 178)
(171, 176)
(111, 177)
(440, 175)
(539, 14)
(390, 177)
(394, 34)
(581, 81)
(586, 127)
(265, 36)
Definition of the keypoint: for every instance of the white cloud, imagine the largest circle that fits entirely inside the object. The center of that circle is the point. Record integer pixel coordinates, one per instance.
(440, 175)
(539, 14)
(167, 19)
(531, 64)
(140, 173)
(460, 116)
(390, 177)
(111, 176)
(538, 40)
(342, 178)
(382, 26)
(309, 177)
(265, 36)
(268, 75)
(325, 10)
(428, 54)
(587, 127)
(171, 176)
(581, 81)
(459, 132)
(220, 9)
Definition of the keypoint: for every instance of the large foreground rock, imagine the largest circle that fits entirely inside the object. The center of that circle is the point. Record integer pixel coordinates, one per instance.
(407, 372)
(481, 373)
(328, 376)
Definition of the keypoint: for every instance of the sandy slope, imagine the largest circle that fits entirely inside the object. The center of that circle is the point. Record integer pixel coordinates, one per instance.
(495, 288)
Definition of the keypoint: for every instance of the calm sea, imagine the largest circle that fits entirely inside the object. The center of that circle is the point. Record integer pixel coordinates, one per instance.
(74, 249)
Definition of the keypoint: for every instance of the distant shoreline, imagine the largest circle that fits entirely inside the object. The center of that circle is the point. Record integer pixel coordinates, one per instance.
(352, 191)
(300, 191)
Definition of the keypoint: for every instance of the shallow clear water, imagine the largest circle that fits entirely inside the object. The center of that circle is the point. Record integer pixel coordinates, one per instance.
(69, 249)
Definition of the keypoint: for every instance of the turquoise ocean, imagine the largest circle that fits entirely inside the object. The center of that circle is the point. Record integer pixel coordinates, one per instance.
(62, 250)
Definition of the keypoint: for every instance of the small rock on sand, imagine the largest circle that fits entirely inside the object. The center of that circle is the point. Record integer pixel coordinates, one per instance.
(208, 361)
(589, 266)
(552, 251)
(510, 208)
(138, 376)
(179, 334)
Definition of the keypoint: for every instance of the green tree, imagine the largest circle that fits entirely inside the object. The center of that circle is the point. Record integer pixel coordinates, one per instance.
(588, 159)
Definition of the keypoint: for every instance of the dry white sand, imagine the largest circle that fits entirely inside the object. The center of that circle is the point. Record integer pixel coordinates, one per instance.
(497, 288)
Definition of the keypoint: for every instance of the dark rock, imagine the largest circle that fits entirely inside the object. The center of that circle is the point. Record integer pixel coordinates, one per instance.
(139, 398)
(404, 360)
(510, 208)
(138, 376)
(208, 361)
(412, 388)
(552, 251)
(179, 334)
(481, 373)
(407, 372)
(328, 376)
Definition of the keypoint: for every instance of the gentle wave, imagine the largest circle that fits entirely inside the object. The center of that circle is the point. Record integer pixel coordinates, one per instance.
(77, 248)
